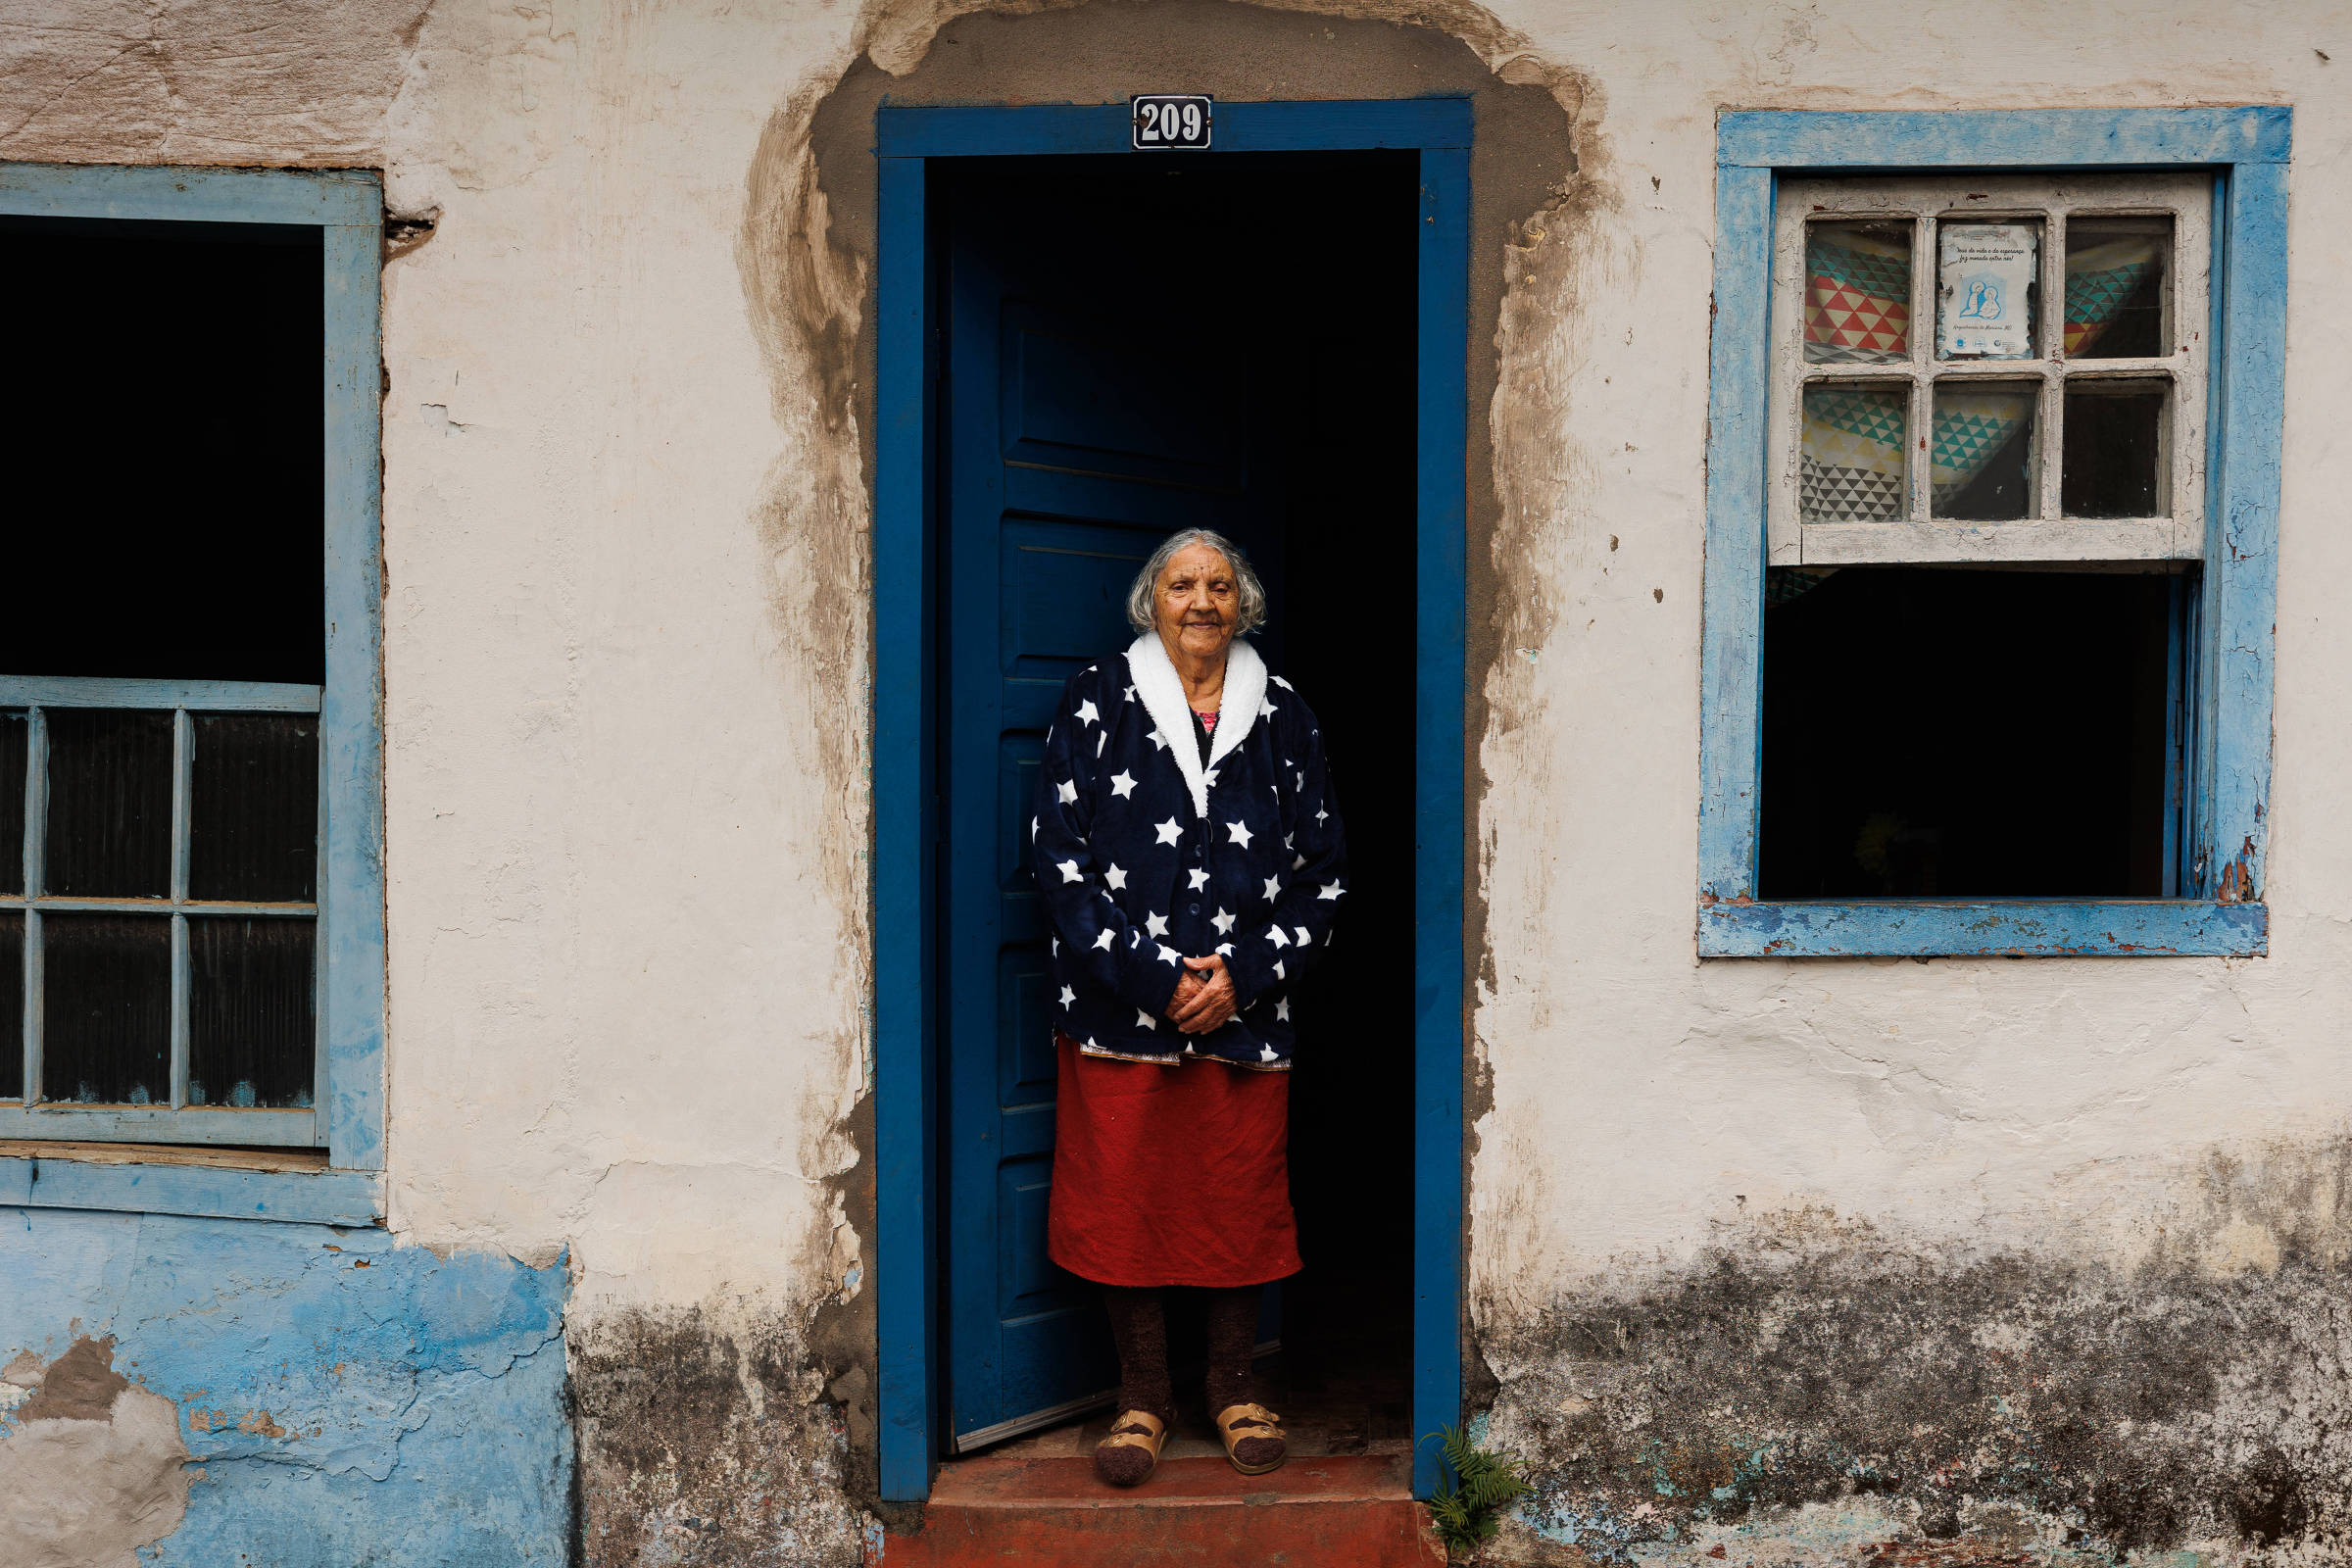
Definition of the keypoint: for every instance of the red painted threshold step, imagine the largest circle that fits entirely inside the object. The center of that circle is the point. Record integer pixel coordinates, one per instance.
(1352, 1511)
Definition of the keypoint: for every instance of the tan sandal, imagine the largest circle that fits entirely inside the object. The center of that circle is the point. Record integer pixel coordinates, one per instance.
(1114, 1461)
(1238, 1423)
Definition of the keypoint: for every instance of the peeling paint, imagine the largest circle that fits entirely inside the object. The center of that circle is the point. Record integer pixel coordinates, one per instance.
(300, 1410)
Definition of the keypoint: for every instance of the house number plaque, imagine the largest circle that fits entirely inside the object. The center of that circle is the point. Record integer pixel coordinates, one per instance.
(1168, 121)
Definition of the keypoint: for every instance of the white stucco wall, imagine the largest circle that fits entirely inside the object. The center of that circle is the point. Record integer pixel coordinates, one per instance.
(625, 666)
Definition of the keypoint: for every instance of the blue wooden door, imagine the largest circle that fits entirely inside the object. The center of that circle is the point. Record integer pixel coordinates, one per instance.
(1099, 396)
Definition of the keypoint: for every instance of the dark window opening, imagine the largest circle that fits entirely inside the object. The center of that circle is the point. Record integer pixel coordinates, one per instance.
(166, 404)
(1968, 733)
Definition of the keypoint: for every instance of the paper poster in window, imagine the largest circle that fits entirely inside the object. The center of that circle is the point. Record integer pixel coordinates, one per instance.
(1984, 284)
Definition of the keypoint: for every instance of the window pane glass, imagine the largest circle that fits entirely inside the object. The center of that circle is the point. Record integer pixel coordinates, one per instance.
(105, 1013)
(250, 1028)
(2115, 443)
(110, 803)
(2115, 279)
(14, 736)
(1981, 452)
(1985, 287)
(253, 808)
(11, 1006)
(1850, 463)
(1857, 293)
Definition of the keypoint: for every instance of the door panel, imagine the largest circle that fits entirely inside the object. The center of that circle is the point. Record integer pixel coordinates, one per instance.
(1085, 420)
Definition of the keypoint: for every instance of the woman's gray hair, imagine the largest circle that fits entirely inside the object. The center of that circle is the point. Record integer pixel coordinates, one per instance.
(1146, 589)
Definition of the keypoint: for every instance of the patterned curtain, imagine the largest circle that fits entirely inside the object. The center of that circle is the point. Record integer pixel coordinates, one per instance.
(1857, 311)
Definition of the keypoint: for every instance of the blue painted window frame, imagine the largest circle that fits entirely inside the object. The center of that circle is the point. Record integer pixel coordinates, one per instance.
(906, 762)
(2228, 767)
(347, 208)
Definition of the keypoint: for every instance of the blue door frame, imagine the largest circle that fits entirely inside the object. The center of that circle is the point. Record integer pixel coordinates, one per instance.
(905, 752)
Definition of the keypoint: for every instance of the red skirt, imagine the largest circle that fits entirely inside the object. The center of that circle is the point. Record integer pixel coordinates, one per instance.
(1174, 1175)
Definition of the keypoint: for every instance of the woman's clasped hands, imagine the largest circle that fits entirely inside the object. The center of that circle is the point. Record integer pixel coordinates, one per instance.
(1204, 999)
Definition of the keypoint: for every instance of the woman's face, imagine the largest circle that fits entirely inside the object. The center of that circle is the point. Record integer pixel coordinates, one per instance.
(1197, 601)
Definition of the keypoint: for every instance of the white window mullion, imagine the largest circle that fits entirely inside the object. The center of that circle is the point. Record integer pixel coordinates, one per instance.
(1917, 453)
(2049, 341)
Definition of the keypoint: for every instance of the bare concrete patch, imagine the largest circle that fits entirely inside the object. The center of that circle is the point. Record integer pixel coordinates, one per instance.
(92, 1466)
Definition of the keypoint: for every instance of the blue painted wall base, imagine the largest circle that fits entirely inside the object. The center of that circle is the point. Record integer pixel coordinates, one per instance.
(347, 1401)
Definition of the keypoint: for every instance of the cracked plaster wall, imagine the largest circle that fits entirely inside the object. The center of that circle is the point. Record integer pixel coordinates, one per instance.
(334, 1398)
(625, 654)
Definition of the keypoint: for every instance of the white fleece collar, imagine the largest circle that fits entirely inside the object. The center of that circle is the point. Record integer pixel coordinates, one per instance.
(1163, 695)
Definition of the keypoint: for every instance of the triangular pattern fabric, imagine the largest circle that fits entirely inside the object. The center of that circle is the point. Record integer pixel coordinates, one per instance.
(1850, 467)
(1857, 298)
(1970, 427)
(2100, 280)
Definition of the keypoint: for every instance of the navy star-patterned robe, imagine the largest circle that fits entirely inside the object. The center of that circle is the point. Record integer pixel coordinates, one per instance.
(1146, 857)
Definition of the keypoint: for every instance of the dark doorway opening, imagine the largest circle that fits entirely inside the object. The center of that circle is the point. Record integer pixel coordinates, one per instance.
(1284, 288)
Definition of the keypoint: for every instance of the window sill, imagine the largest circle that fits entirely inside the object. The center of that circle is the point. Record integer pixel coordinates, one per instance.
(292, 1185)
(1985, 928)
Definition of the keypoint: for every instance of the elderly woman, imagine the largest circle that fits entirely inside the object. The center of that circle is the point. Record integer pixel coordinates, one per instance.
(1190, 853)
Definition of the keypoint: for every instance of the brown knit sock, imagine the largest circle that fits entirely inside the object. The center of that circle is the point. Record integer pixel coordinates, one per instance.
(1139, 1327)
(1232, 1336)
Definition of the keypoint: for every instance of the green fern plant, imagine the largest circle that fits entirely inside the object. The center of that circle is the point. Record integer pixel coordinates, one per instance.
(1476, 1488)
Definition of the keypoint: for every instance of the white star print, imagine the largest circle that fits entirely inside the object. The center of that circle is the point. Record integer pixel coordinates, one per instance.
(1101, 741)
(1331, 890)
(1087, 713)
(1278, 974)
(1131, 694)
(1057, 940)
(1113, 876)
(1297, 862)
(1283, 684)
(1222, 921)
(1068, 995)
(1169, 831)
(1265, 1053)
(1170, 954)
(1102, 938)
(1156, 925)
(1159, 742)
(1282, 1009)
(1273, 887)
(1241, 834)
(1135, 938)
(1302, 777)
(1307, 938)
(1089, 1043)
(1067, 792)
(1146, 1020)
(1200, 879)
(1320, 813)
(1275, 936)
(1266, 709)
(1224, 950)
(1033, 830)
(1122, 784)
(1069, 871)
